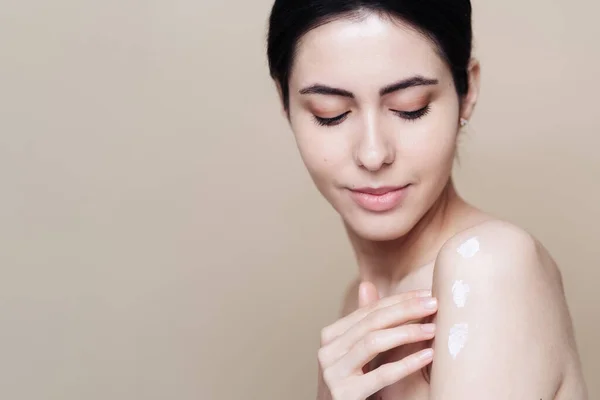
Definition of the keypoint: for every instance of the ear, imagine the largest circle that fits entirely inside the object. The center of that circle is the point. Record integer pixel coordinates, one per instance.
(284, 112)
(470, 99)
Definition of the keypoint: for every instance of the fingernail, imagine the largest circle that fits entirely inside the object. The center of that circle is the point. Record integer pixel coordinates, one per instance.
(424, 293)
(428, 328)
(426, 354)
(430, 303)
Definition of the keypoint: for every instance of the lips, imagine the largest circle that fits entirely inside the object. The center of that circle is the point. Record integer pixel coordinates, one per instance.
(379, 191)
(379, 199)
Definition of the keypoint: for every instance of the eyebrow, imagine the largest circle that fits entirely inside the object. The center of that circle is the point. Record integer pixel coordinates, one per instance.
(394, 87)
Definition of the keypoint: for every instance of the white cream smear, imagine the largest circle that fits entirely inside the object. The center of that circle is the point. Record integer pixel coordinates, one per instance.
(469, 248)
(457, 339)
(460, 291)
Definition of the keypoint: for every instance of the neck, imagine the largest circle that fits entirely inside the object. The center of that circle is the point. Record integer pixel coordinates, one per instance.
(387, 263)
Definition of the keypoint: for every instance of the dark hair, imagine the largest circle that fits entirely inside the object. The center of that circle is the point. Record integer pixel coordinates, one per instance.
(446, 22)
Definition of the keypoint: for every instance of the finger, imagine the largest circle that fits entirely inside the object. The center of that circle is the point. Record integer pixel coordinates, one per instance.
(367, 294)
(378, 342)
(388, 374)
(331, 332)
(391, 316)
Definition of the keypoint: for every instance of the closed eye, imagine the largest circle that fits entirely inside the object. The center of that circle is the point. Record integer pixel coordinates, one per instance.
(412, 115)
(331, 121)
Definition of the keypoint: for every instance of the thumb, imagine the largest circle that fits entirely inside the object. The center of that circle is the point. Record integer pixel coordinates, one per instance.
(367, 294)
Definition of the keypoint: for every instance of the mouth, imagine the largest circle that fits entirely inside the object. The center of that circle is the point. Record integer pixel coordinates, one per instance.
(379, 191)
(379, 199)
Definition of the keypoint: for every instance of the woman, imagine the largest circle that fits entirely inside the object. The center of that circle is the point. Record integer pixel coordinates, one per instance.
(450, 302)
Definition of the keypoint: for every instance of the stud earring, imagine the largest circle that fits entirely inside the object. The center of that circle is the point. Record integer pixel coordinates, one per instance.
(463, 122)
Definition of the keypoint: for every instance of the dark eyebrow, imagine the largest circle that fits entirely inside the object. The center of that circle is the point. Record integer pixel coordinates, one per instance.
(326, 90)
(407, 83)
(394, 87)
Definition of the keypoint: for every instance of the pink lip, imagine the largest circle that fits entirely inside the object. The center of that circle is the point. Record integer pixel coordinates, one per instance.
(379, 199)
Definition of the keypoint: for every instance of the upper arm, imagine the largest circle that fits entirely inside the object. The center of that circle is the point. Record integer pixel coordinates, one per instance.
(500, 322)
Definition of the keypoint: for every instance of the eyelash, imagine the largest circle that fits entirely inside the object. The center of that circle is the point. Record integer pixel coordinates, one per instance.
(407, 115)
(331, 121)
(413, 115)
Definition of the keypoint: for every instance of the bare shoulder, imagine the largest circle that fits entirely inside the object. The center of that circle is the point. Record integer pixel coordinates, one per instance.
(506, 265)
(498, 248)
(502, 315)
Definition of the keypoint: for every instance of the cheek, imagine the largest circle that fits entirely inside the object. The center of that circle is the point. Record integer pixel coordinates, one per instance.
(433, 152)
(322, 152)
(440, 147)
(434, 146)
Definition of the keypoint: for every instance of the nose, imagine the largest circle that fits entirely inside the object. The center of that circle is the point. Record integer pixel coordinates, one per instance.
(375, 148)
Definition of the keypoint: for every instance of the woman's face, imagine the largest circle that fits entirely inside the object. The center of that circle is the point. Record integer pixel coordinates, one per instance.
(376, 115)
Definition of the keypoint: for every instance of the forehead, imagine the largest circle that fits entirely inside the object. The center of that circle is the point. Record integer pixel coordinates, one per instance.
(365, 52)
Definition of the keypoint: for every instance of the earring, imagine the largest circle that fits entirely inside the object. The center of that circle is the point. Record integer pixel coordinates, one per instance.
(463, 122)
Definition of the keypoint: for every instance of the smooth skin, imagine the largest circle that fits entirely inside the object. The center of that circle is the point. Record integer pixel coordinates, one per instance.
(353, 341)
(371, 132)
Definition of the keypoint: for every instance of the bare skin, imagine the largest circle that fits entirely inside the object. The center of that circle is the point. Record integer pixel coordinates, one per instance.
(542, 362)
(372, 105)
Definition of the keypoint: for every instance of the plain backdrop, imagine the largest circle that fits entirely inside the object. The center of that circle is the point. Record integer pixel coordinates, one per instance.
(160, 237)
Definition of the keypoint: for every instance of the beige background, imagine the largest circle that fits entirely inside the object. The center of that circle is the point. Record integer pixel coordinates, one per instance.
(160, 237)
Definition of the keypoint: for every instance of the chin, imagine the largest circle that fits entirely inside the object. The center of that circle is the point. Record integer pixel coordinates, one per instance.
(379, 227)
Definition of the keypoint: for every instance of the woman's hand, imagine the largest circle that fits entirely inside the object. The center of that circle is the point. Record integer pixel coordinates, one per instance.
(352, 342)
